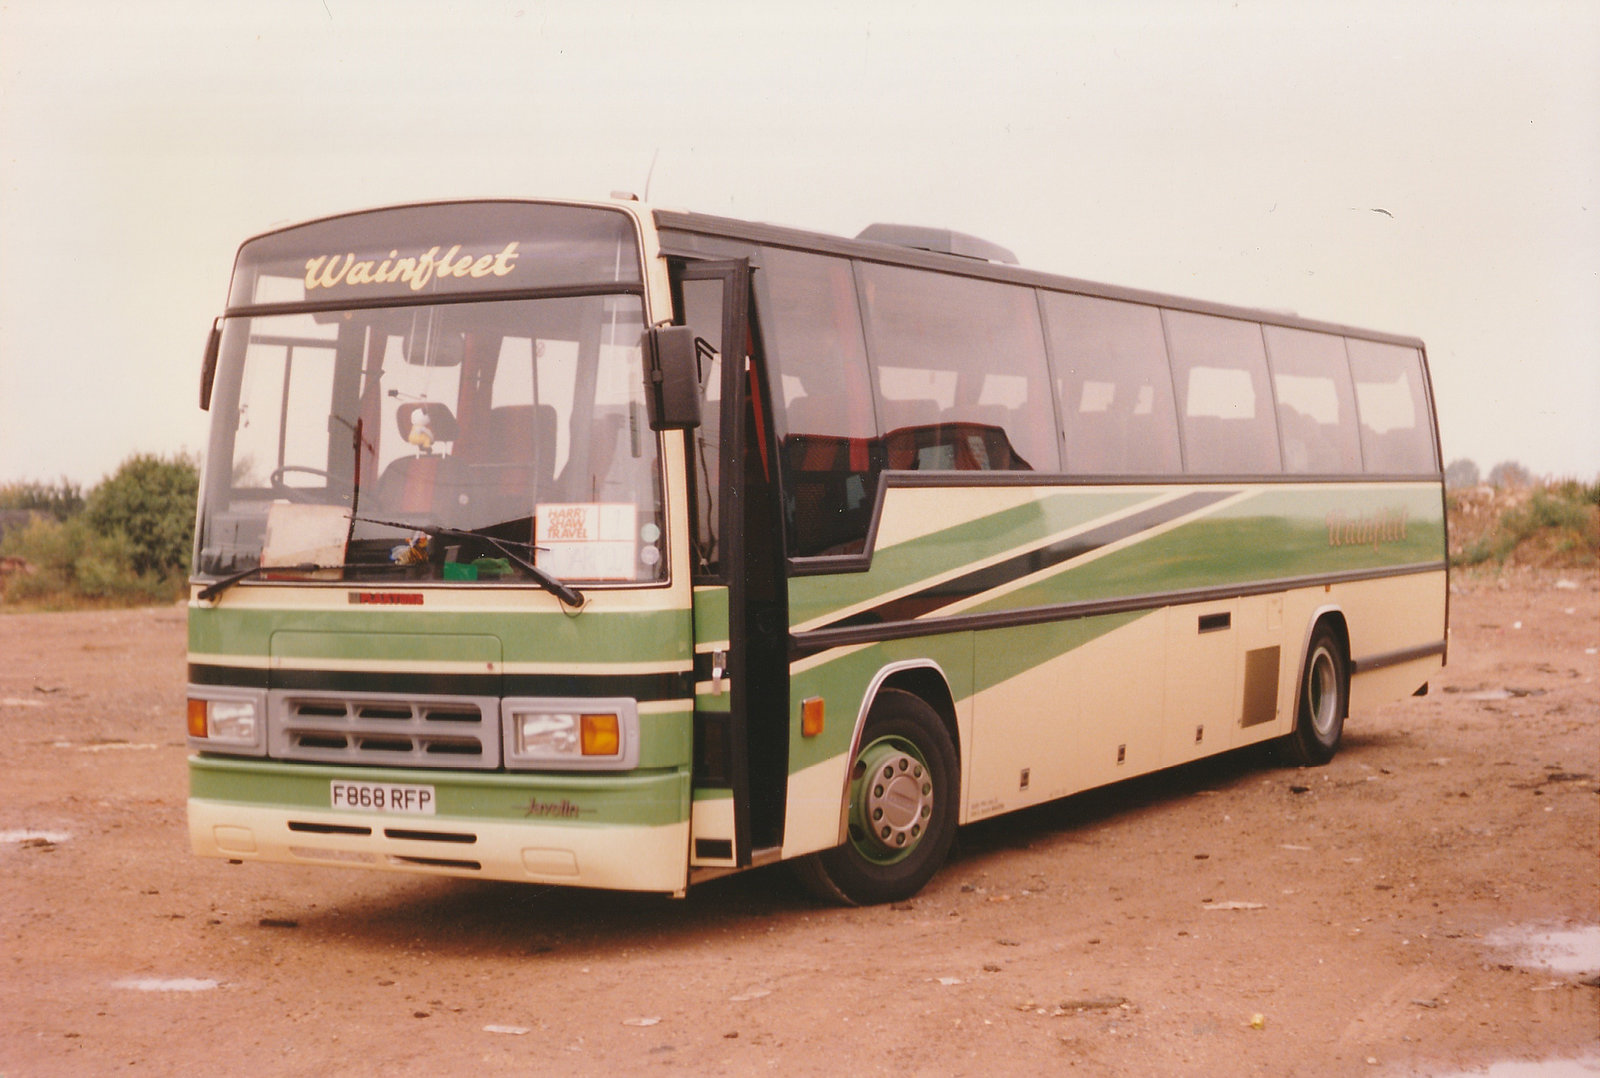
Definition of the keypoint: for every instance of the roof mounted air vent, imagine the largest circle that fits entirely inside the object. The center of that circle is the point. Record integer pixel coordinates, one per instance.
(939, 240)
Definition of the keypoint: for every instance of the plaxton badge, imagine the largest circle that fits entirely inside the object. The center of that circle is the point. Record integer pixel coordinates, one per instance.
(386, 598)
(330, 271)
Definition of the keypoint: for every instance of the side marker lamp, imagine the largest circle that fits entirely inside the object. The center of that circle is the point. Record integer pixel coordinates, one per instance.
(811, 716)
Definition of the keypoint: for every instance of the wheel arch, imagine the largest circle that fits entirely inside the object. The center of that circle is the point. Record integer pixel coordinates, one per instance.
(922, 678)
(1333, 616)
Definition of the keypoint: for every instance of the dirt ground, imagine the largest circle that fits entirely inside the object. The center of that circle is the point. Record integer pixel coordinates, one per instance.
(1229, 917)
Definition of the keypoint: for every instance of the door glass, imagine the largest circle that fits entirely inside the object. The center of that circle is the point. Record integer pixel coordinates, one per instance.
(702, 310)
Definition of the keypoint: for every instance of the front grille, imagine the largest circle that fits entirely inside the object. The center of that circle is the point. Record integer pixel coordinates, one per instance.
(369, 728)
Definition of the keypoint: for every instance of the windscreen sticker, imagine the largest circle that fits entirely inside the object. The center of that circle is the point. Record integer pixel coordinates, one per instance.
(305, 534)
(587, 540)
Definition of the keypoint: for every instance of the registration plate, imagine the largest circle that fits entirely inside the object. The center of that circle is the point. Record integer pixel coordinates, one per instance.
(382, 797)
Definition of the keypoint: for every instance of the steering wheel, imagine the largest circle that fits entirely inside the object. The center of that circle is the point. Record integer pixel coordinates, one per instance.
(336, 485)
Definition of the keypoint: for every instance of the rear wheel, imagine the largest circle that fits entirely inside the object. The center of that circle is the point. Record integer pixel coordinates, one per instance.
(1324, 701)
(902, 808)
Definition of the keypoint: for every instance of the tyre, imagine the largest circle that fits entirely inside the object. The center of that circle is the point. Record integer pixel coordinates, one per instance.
(1324, 701)
(902, 808)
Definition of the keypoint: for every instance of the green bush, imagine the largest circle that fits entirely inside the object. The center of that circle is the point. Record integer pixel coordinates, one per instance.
(149, 502)
(71, 563)
(129, 544)
(61, 499)
(45, 545)
(1574, 490)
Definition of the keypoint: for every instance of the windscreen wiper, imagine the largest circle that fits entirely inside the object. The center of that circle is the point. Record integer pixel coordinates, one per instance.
(217, 587)
(568, 594)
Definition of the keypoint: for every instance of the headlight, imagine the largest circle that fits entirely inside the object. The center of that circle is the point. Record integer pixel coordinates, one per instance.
(231, 720)
(579, 734)
(227, 720)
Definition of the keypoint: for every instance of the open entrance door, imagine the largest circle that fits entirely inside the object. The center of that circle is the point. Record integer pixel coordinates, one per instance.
(741, 614)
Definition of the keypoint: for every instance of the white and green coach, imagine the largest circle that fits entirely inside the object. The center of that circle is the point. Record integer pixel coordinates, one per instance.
(594, 545)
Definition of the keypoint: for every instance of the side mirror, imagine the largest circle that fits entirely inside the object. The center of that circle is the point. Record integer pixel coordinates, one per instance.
(208, 366)
(672, 381)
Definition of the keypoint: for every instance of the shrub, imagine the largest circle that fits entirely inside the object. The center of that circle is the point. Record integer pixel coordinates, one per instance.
(45, 546)
(1554, 524)
(129, 543)
(71, 563)
(149, 502)
(61, 499)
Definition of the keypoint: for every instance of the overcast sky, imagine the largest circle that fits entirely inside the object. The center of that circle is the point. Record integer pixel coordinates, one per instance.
(1429, 168)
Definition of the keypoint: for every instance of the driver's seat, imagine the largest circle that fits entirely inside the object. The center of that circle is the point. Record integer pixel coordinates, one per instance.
(414, 484)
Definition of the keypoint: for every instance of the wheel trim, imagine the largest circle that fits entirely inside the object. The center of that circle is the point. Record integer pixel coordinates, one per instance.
(891, 800)
(1322, 693)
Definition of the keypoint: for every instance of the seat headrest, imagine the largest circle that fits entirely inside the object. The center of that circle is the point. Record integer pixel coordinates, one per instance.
(435, 416)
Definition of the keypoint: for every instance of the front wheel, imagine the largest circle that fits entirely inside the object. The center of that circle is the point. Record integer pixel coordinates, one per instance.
(902, 808)
(1324, 701)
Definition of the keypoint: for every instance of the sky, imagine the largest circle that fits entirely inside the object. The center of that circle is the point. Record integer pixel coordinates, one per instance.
(1426, 167)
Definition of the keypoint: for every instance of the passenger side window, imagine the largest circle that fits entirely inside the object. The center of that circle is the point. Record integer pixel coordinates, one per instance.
(959, 372)
(1220, 369)
(1316, 406)
(1396, 431)
(1113, 384)
(823, 393)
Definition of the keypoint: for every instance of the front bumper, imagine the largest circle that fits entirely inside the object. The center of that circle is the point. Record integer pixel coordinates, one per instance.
(623, 832)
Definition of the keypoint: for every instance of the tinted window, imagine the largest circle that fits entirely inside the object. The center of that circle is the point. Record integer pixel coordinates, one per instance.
(959, 372)
(1316, 406)
(1220, 369)
(1113, 384)
(1396, 435)
(813, 338)
(823, 396)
